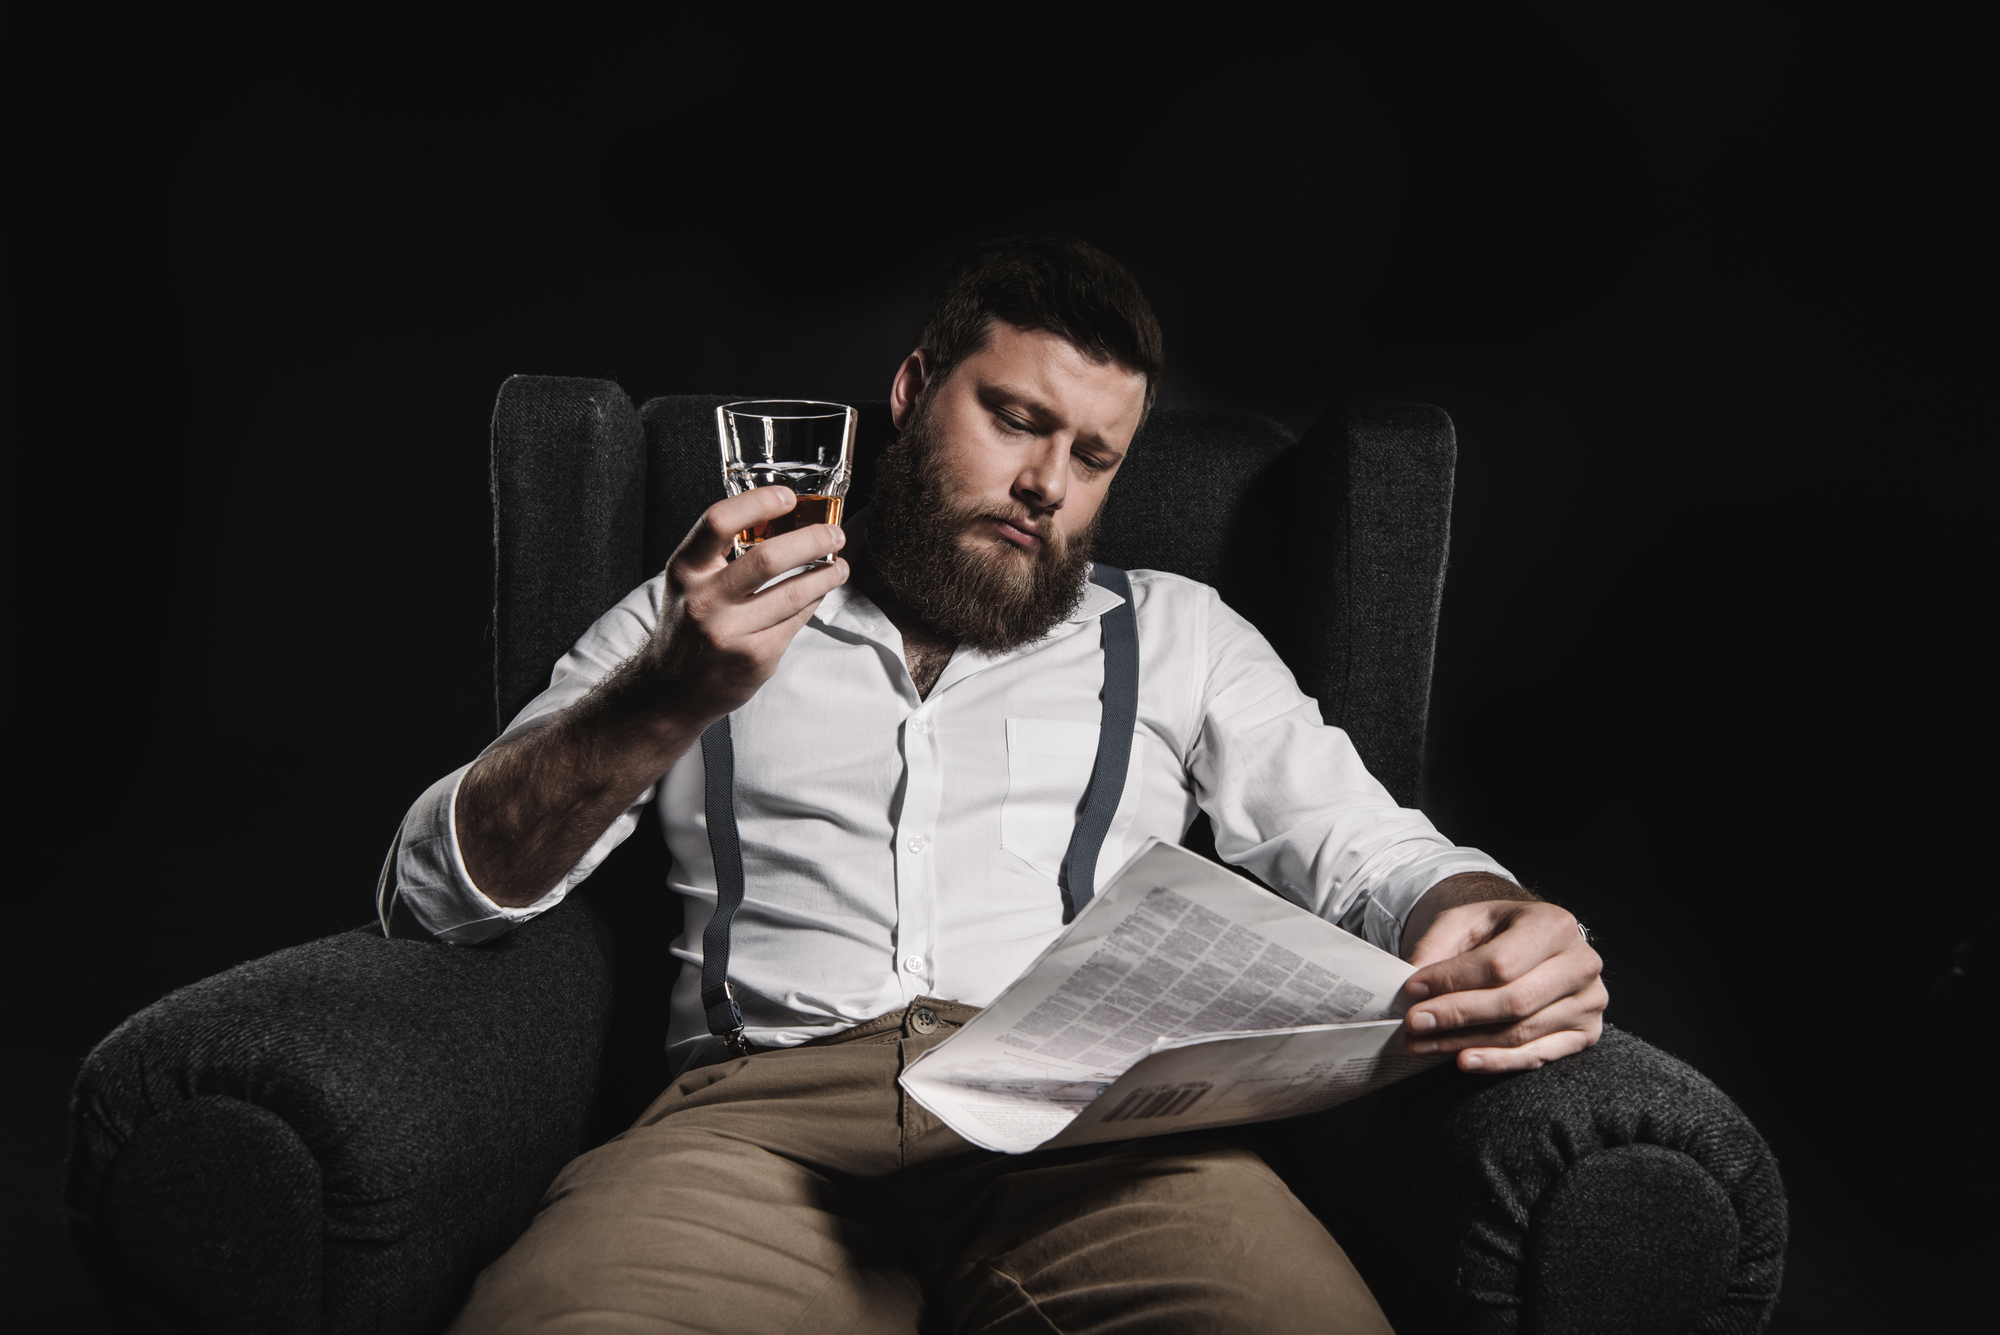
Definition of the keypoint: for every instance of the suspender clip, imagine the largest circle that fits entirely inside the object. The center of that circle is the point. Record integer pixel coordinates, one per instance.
(725, 1019)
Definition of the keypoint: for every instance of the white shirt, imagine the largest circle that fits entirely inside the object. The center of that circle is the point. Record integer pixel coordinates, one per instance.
(896, 847)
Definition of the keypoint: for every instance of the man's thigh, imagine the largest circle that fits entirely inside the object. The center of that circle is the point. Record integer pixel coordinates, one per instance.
(722, 1209)
(1182, 1234)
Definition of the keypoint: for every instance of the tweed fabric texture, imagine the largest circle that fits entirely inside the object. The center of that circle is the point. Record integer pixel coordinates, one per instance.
(569, 497)
(1440, 1188)
(207, 1160)
(1639, 1231)
(437, 1088)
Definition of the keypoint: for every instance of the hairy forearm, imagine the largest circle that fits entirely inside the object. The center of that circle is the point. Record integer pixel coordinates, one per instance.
(1468, 887)
(529, 809)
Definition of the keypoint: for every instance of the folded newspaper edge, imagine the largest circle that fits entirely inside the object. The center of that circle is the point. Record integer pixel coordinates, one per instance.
(1182, 997)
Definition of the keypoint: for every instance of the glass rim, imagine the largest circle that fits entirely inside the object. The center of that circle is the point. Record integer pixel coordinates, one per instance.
(746, 407)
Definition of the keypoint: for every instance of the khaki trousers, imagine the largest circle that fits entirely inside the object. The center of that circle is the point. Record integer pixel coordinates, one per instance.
(802, 1191)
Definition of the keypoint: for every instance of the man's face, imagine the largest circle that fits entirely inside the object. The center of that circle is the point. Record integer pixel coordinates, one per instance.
(1029, 433)
(984, 506)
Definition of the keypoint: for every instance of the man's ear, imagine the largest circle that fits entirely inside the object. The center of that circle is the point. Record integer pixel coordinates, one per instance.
(911, 377)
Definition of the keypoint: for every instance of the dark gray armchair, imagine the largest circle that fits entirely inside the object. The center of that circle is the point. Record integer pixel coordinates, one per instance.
(339, 1136)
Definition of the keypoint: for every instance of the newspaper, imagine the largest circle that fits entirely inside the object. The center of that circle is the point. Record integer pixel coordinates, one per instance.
(1182, 997)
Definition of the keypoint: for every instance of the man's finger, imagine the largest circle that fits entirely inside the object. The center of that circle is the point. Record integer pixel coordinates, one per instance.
(775, 637)
(1578, 1010)
(1515, 944)
(708, 542)
(800, 594)
(774, 556)
(729, 620)
(1560, 975)
(1498, 1061)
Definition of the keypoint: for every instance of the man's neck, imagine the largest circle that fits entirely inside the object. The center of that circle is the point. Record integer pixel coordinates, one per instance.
(925, 651)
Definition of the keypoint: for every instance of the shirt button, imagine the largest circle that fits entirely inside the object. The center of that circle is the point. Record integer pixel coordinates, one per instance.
(918, 844)
(920, 725)
(924, 1020)
(913, 963)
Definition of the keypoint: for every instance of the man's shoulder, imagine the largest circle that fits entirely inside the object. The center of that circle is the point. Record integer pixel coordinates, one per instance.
(1162, 599)
(1163, 588)
(1188, 615)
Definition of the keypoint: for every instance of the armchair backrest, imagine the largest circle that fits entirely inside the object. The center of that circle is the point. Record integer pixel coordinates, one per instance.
(1333, 545)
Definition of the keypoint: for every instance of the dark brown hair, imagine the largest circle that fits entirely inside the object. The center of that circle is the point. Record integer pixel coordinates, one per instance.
(1044, 281)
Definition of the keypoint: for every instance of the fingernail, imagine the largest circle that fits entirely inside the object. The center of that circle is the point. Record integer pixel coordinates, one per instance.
(1421, 1048)
(1472, 1061)
(1417, 991)
(1423, 1022)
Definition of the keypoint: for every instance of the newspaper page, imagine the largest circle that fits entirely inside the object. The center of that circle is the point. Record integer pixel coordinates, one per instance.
(1183, 996)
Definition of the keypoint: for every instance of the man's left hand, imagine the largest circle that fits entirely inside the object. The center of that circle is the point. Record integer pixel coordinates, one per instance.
(1506, 983)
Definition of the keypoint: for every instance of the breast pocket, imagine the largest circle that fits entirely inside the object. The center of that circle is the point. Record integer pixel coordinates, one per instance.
(1048, 769)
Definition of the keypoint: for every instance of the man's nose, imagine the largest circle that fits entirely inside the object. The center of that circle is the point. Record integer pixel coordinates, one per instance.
(1044, 477)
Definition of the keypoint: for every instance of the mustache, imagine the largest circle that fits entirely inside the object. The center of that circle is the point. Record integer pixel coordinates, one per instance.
(1040, 523)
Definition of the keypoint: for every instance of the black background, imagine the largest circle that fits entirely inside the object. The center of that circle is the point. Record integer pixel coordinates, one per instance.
(1696, 290)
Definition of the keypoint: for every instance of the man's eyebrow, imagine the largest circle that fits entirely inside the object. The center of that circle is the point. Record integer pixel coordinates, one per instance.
(994, 395)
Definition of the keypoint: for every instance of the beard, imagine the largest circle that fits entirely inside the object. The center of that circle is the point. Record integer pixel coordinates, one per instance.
(985, 592)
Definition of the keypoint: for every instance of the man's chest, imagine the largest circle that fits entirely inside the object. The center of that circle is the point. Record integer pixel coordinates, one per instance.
(846, 783)
(840, 725)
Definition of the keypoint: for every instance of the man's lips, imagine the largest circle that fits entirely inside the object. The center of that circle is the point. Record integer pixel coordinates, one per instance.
(1021, 532)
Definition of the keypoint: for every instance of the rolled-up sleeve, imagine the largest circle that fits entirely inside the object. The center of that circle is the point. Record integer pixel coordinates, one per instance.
(1291, 801)
(430, 866)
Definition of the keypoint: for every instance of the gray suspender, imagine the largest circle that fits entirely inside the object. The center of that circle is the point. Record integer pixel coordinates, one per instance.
(718, 758)
(1077, 878)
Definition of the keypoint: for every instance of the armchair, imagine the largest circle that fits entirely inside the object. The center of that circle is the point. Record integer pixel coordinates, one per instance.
(339, 1136)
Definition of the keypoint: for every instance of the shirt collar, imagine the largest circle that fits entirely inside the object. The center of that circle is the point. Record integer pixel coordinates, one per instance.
(1097, 600)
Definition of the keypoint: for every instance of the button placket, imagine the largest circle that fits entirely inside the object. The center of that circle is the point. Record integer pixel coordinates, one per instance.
(915, 885)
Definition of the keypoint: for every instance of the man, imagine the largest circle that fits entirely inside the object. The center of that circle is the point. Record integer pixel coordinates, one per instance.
(912, 728)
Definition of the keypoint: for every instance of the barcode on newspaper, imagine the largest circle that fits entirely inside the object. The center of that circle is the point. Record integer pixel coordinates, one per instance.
(1157, 1101)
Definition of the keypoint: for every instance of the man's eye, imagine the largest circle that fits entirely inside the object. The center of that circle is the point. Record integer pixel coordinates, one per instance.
(1091, 461)
(1012, 424)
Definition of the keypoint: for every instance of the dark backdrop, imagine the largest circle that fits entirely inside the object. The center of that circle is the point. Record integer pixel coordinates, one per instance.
(1688, 287)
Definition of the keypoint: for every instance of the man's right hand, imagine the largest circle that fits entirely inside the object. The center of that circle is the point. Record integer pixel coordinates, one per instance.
(719, 639)
(531, 807)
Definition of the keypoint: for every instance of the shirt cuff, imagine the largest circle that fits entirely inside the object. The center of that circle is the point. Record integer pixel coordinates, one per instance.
(431, 876)
(1389, 907)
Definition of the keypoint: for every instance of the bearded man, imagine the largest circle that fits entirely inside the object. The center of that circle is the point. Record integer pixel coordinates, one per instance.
(893, 749)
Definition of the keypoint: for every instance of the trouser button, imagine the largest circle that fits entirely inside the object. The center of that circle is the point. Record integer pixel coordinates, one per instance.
(924, 1020)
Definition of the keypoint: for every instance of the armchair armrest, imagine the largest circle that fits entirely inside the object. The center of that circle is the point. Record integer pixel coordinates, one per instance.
(338, 1136)
(1617, 1189)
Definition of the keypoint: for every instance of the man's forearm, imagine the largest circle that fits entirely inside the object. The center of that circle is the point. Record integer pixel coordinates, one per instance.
(529, 809)
(1468, 887)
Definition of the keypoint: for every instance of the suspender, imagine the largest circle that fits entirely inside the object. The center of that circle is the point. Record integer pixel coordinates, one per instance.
(1077, 879)
(718, 758)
